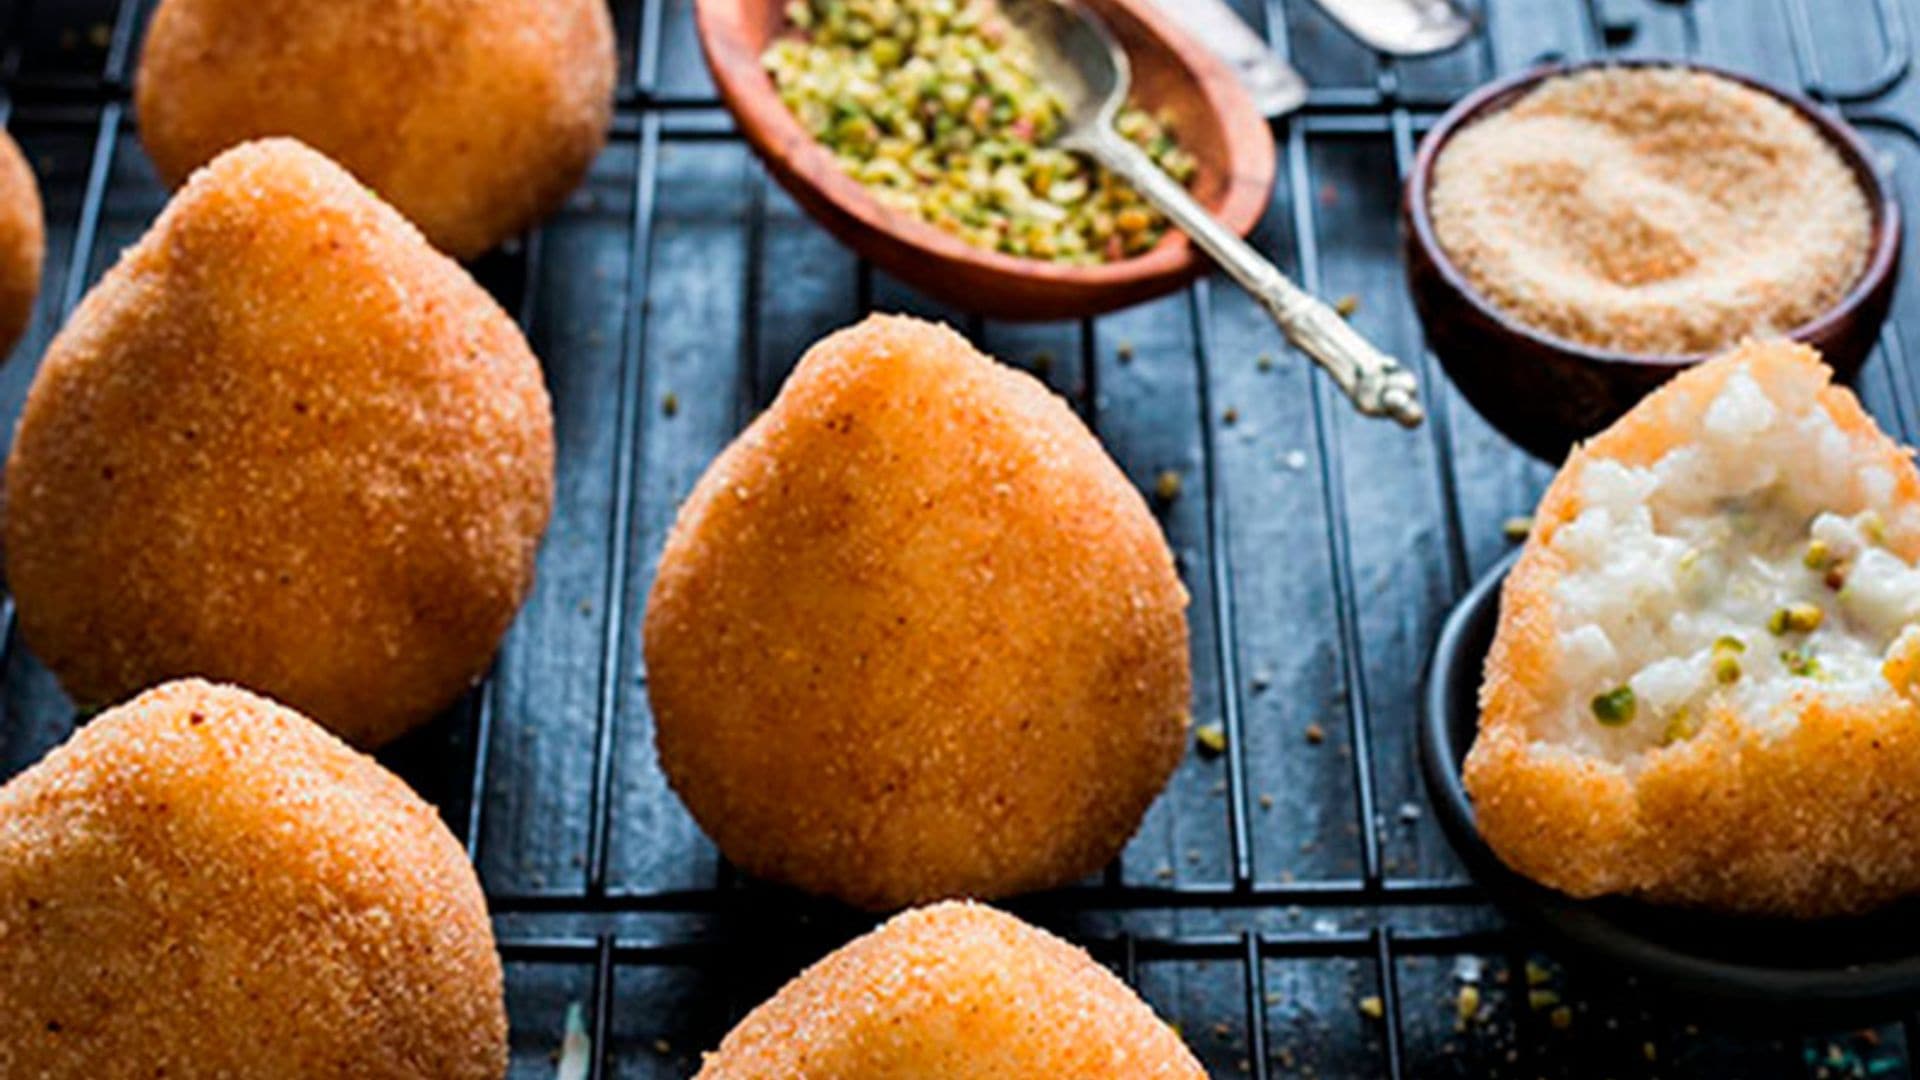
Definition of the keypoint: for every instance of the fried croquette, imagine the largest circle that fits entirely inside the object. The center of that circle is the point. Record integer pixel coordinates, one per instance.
(914, 635)
(203, 883)
(1703, 687)
(954, 991)
(283, 443)
(23, 243)
(474, 117)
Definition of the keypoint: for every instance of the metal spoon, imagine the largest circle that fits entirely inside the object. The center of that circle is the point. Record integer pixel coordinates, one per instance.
(1079, 59)
(1402, 27)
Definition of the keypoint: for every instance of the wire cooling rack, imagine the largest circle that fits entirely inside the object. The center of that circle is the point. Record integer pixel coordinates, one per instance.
(1287, 903)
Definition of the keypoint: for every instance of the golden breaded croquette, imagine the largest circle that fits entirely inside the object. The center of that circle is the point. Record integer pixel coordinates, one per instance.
(1703, 689)
(283, 443)
(23, 242)
(473, 117)
(914, 635)
(203, 883)
(957, 991)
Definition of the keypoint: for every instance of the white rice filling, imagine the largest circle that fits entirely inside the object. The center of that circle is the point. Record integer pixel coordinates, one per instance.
(1681, 574)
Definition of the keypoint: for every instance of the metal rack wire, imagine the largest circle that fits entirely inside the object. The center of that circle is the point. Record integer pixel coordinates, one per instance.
(1221, 917)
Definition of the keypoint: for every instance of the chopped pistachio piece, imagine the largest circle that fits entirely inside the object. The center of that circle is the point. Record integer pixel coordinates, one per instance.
(1819, 555)
(1211, 738)
(1800, 662)
(1166, 486)
(1684, 724)
(1468, 1003)
(1798, 617)
(1616, 707)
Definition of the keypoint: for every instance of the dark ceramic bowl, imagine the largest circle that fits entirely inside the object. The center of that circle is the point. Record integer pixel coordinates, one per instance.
(1776, 972)
(1546, 393)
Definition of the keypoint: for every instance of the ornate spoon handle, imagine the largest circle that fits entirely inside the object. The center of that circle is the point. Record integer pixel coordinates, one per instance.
(1376, 383)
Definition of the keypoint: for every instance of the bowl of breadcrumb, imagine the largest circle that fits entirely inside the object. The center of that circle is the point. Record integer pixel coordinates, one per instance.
(1576, 235)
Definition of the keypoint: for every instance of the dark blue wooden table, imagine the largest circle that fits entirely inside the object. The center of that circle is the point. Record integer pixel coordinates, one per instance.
(1275, 889)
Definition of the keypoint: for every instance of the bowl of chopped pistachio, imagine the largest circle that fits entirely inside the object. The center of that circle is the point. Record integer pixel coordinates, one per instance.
(920, 133)
(1773, 971)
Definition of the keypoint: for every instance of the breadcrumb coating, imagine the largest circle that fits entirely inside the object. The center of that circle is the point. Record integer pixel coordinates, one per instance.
(23, 242)
(1653, 210)
(1809, 810)
(956, 991)
(914, 635)
(474, 117)
(283, 443)
(203, 883)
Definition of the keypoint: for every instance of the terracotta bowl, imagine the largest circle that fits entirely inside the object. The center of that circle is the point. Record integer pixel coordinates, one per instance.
(1546, 393)
(1212, 117)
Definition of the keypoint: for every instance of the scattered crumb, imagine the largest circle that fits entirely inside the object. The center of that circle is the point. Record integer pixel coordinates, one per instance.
(1294, 459)
(1261, 680)
(1409, 813)
(1648, 1051)
(1372, 1007)
(1316, 734)
(1166, 486)
(1211, 738)
(1230, 417)
(670, 403)
(1516, 528)
(1467, 1005)
(1164, 873)
(1043, 362)
(1347, 305)
(1561, 1018)
(100, 35)
(1124, 351)
(1263, 362)
(1266, 801)
(662, 1047)
(1539, 1000)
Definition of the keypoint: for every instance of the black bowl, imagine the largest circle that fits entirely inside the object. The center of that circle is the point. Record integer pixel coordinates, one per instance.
(1804, 973)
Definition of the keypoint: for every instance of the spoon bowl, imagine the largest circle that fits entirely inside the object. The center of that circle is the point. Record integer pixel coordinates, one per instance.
(1080, 60)
(1211, 114)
